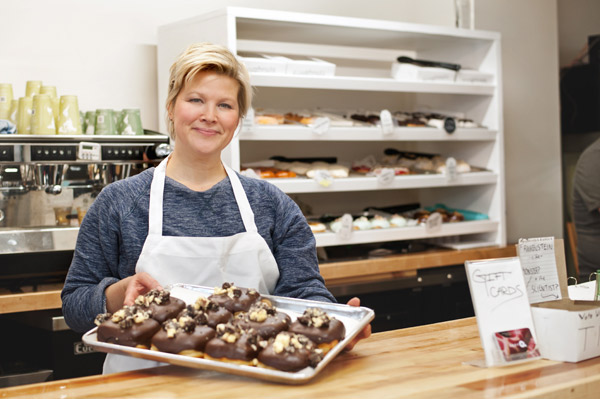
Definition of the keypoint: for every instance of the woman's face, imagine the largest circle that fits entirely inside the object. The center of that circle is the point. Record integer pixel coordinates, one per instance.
(206, 114)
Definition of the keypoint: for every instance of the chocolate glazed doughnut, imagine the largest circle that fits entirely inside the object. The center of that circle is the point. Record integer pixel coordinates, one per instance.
(129, 326)
(323, 330)
(233, 298)
(214, 313)
(265, 319)
(290, 352)
(185, 336)
(161, 304)
(233, 344)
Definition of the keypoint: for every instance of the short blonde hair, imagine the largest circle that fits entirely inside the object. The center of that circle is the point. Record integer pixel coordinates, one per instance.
(207, 57)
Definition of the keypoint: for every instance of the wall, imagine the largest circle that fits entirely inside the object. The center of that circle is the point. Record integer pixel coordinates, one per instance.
(104, 52)
(531, 113)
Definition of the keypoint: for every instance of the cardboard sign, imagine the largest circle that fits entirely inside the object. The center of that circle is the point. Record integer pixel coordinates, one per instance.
(500, 301)
(539, 269)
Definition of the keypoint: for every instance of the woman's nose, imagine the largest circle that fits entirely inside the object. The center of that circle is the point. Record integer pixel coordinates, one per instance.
(208, 114)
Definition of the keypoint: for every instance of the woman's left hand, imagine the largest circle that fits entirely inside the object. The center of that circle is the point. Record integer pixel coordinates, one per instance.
(365, 333)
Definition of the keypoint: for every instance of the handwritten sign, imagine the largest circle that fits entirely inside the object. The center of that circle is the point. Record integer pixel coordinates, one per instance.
(539, 268)
(500, 301)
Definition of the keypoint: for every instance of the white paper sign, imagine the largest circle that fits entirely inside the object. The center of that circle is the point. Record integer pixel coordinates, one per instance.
(539, 269)
(500, 301)
(386, 176)
(320, 126)
(323, 177)
(451, 172)
(345, 230)
(248, 121)
(387, 123)
(433, 224)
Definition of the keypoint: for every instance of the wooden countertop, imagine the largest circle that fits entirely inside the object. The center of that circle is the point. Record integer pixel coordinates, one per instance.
(421, 362)
(334, 273)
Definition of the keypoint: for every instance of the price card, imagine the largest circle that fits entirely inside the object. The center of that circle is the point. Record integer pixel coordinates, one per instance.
(323, 178)
(450, 125)
(433, 224)
(500, 301)
(539, 268)
(386, 176)
(387, 122)
(451, 173)
(320, 125)
(248, 121)
(346, 229)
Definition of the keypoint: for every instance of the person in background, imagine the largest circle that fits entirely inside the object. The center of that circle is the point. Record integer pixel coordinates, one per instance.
(192, 219)
(586, 210)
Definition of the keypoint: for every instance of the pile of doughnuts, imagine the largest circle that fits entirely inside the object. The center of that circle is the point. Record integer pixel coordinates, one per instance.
(234, 325)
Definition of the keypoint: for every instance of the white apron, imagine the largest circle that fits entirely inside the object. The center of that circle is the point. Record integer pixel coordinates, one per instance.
(244, 258)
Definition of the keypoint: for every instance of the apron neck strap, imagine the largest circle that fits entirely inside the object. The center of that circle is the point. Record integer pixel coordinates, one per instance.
(157, 189)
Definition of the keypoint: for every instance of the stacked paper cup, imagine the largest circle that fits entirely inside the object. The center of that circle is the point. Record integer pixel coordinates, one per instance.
(6, 97)
(40, 111)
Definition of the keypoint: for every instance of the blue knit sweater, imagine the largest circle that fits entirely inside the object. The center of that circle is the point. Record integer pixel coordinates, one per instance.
(114, 229)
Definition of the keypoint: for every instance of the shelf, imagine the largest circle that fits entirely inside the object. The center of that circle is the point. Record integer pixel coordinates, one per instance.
(150, 138)
(398, 266)
(303, 133)
(305, 185)
(367, 84)
(407, 233)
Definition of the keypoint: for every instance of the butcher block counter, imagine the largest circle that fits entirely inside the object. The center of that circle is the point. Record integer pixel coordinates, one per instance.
(421, 362)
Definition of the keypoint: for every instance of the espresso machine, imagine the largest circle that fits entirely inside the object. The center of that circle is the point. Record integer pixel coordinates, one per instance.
(47, 183)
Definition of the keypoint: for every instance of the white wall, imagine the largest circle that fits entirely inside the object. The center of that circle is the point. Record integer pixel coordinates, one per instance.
(531, 113)
(104, 52)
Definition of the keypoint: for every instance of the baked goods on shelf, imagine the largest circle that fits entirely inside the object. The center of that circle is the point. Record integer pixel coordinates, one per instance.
(129, 326)
(289, 352)
(317, 227)
(323, 330)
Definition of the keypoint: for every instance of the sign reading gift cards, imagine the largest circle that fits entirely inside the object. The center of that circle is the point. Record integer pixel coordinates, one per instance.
(499, 295)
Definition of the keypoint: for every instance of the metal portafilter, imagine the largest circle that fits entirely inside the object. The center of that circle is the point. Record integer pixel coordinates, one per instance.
(49, 177)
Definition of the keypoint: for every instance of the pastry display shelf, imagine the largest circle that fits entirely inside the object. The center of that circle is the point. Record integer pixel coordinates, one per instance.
(305, 185)
(335, 133)
(328, 239)
(369, 84)
(364, 52)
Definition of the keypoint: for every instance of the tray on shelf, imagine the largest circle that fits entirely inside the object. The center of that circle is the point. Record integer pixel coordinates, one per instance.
(354, 319)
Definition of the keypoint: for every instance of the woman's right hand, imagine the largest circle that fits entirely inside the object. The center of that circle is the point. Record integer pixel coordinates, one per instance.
(125, 291)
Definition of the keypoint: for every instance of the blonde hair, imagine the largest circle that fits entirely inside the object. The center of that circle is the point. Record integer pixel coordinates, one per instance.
(207, 57)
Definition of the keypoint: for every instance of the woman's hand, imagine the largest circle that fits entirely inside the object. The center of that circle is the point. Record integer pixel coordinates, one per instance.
(365, 333)
(125, 291)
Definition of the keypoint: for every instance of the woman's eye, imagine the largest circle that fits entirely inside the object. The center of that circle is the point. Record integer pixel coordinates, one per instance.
(225, 106)
(195, 100)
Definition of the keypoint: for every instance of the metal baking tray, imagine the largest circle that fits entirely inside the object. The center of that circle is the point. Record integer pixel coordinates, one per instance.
(354, 319)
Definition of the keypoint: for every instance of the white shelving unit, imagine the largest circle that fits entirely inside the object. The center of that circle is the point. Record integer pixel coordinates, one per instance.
(363, 51)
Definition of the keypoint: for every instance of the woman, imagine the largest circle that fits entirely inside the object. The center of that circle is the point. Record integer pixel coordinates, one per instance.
(192, 219)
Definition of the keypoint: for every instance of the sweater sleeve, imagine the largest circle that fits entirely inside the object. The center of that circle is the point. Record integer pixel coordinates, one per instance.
(98, 260)
(294, 249)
